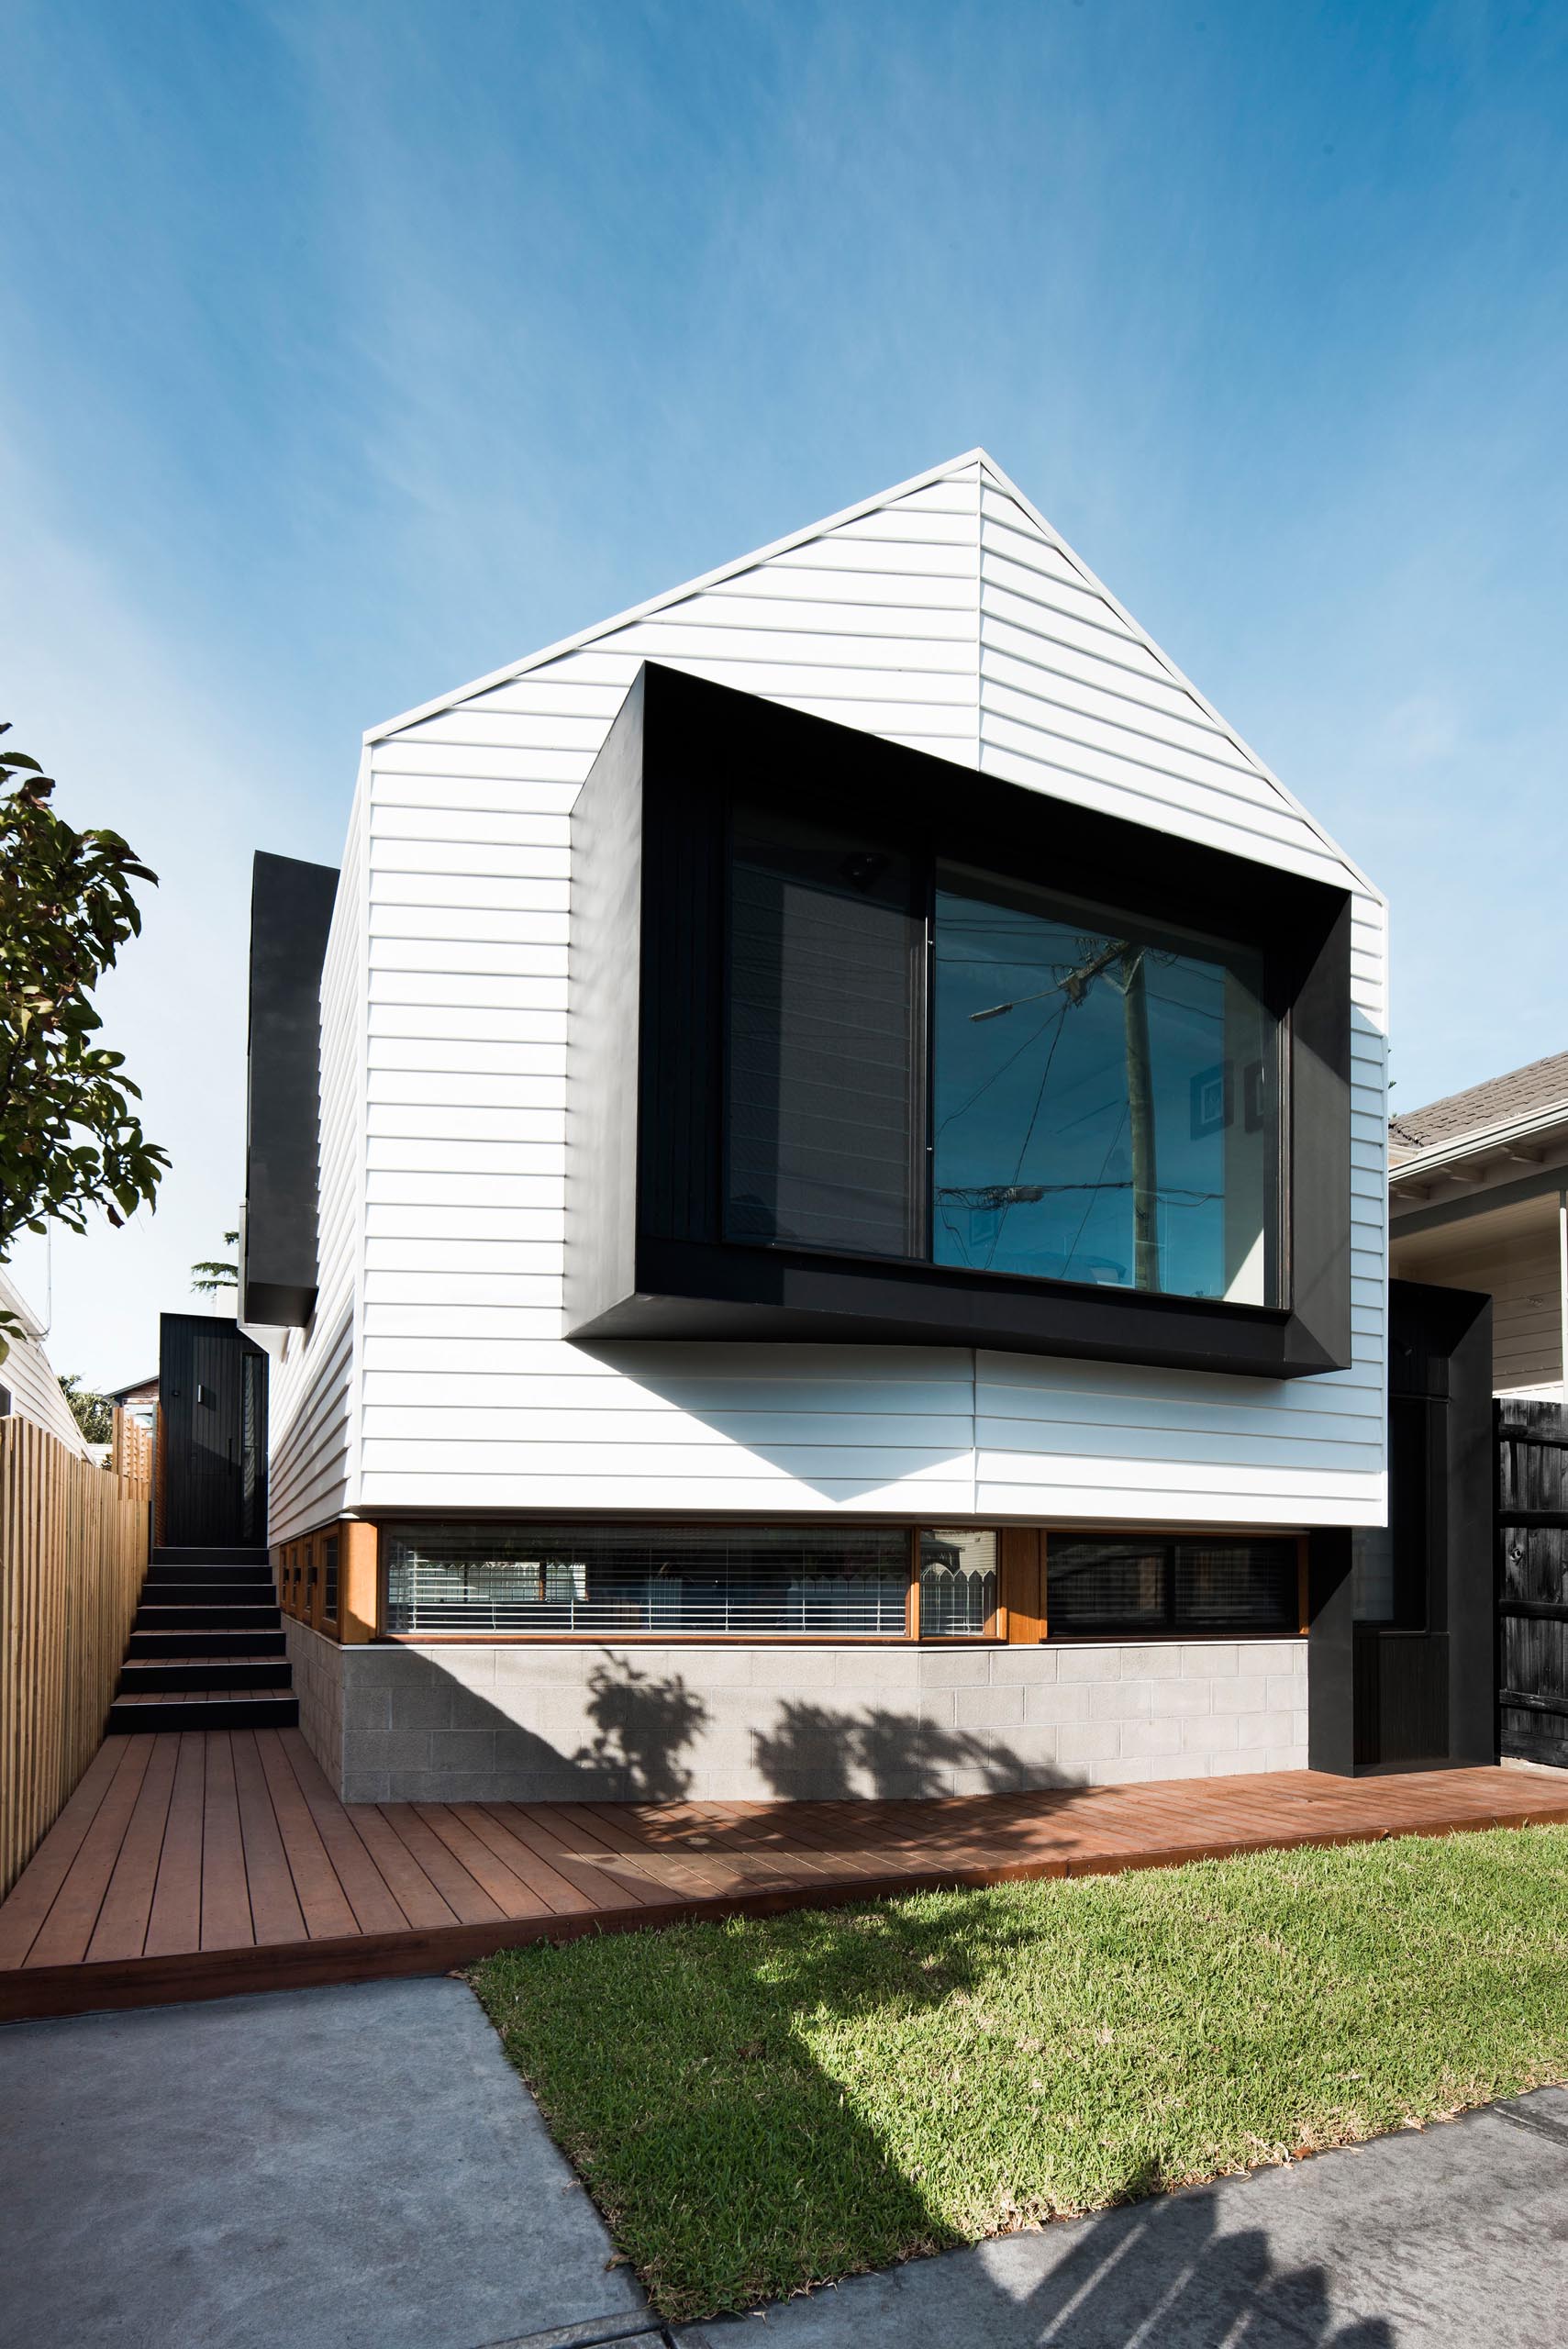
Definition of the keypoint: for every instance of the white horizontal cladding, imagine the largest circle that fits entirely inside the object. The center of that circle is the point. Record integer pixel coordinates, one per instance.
(945, 616)
(311, 1436)
(312, 1415)
(699, 1489)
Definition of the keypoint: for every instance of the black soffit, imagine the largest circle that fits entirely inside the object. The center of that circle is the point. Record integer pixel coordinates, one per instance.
(645, 1254)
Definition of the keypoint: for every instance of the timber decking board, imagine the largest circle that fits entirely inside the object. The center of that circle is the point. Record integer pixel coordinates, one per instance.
(275, 1904)
(175, 1923)
(226, 1894)
(121, 1927)
(197, 1862)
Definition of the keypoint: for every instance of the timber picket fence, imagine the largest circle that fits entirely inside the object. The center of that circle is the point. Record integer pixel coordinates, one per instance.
(73, 1555)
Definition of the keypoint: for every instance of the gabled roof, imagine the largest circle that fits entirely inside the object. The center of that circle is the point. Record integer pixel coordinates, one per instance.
(1523, 1097)
(974, 464)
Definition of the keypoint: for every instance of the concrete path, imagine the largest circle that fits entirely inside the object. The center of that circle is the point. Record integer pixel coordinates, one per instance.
(1455, 2235)
(356, 2168)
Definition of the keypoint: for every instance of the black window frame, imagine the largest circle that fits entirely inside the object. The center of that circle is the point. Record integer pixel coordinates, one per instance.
(1172, 1625)
(647, 1255)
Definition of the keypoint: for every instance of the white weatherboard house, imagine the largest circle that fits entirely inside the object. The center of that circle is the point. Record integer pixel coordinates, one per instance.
(816, 1194)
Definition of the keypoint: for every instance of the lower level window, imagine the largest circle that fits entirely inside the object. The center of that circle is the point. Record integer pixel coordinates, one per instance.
(957, 1584)
(834, 1581)
(1109, 1582)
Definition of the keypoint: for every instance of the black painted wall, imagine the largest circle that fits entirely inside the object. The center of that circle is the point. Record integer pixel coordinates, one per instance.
(291, 912)
(1422, 1689)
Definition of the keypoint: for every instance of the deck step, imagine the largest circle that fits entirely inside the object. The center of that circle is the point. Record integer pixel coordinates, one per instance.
(193, 1618)
(224, 1577)
(140, 1674)
(207, 1594)
(150, 1646)
(201, 1709)
(258, 1555)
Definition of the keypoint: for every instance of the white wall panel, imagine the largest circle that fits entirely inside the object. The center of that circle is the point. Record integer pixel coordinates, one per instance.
(949, 617)
(312, 1415)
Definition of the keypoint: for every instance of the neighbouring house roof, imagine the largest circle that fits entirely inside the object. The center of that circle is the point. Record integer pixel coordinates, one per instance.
(1526, 1096)
(139, 1390)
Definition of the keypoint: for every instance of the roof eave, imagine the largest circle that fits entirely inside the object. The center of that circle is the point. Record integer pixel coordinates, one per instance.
(1483, 1142)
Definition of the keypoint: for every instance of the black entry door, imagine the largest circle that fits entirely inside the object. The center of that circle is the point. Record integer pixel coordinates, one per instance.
(213, 1395)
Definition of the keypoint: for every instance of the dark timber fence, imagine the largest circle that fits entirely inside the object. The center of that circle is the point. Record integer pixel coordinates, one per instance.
(1532, 1581)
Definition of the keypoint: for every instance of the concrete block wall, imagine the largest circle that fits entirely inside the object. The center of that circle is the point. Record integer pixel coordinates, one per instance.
(318, 1683)
(469, 1722)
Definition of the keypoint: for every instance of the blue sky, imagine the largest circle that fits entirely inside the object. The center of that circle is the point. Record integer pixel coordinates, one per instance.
(354, 349)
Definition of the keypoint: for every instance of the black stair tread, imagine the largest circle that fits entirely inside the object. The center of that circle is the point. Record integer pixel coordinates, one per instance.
(246, 1555)
(212, 1656)
(186, 1579)
(205, 1709)
(151, 1721)
(258, 1647)
(225, 1584)
(199, 1696)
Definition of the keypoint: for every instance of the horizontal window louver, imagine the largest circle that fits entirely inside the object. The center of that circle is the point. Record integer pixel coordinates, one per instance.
(678, 1580)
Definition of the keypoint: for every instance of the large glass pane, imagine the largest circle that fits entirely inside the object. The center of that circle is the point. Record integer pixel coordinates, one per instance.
(839, 1582)
(957, 1583)
(823, 1075)
(1105, 1100)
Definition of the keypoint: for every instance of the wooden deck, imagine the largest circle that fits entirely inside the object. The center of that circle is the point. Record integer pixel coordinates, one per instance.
(201, 1861)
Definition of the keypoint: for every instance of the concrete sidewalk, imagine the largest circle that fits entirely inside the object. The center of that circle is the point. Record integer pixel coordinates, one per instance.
(355, 2168)
(1455, 2235)
(360, 2169)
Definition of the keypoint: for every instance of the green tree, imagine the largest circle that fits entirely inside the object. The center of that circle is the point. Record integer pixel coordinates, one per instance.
(94, 1414)
(209, 1273)
(69, 1139)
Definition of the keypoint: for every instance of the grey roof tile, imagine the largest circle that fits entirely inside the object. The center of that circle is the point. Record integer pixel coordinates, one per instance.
(1524, 1092)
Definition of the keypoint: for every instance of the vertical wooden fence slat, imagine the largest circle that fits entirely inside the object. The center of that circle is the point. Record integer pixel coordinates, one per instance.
(73, 1553)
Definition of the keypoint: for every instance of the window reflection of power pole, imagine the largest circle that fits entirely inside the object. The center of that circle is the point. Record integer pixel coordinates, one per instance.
(1123, 964)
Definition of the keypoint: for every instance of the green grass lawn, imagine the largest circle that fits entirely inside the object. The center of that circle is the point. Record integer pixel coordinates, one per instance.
(758, 2106)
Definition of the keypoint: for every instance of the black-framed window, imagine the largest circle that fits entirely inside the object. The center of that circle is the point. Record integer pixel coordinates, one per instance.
(1105, 1097)
(759, 903)
(1204, 1583)
(1100, 1099)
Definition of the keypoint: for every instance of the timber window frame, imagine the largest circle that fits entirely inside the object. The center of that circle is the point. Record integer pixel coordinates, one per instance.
(1012, 1559)
(649, 1250)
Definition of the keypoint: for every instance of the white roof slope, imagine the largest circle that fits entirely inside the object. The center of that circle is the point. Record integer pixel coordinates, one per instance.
(945, 612)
